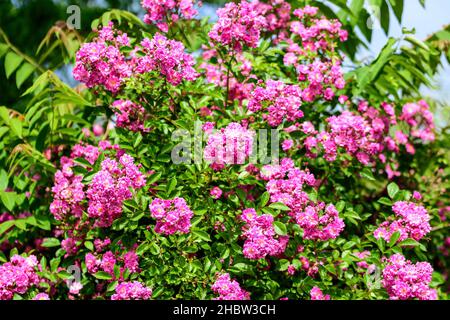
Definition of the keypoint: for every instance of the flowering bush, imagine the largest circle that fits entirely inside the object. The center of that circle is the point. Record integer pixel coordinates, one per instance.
(161, 176)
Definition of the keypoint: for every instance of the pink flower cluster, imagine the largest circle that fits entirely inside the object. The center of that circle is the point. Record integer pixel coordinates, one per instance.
(413, 222)
(277, 14)
(17, 276)
(315, 33)
(219, 75)
(110, 187)
(365, 134)
(229, 289)
(101, 63)
(238, 25)
(129, 115)
(278, 101)
(316, 61)
(41, 296)
(159, 12)
(259, 235)
(171, 215)
(363, 263)
(132, 291)
(108, 261)
(230, 145)
(86, 151)
(317, 294)
(67, 192)
(323, 226)
(166, 57)
(68, 189)
(286, 184)
(404, 280)
(216, 193)
(420, 119)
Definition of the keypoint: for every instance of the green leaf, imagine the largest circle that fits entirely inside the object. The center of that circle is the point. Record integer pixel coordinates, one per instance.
(392, 189)
(8, 199)
(368, 74)
(4, 115)
(21, 224)
(89, 245)
(172, 184)
(385, 201)
(64, 275)
(102, 275)
(142, 248)
(397, 7)
(12, 62)
(240, 268)
(54, 264)
(23, 73)
(394, 238)
(2, 257)
(154, 177)
(367, 173)
(381, 244)
(40, 139)
(280, 228)
(51, 242)
(417, 42)
(3, 179)
(6, 225)
(199, 234)
(385, 16)
(284, 264)
(264, 199)
(16, 127)
(340, 206)
(3, 49)
(279, 206)
(154, 249)
(112, 286)
(409, 242)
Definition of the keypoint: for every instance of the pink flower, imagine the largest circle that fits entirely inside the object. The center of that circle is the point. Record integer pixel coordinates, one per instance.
(171, 215)
(216, 192)
(131, 261)
(404, 280)
(17, 276)
(129, 115)
(75, 287)
(229, 289)
(291, 269)
(230, 145)
(110, 187)
(412, 222)
(131, 291)
(100, 63)
(287, 144)
(260, 237)
(287, 184)
(158, 11)
(98, 130)
(417, 195)
(166, 57)
(238, 25)
(277, 101)
(316, 294)
(41, 296)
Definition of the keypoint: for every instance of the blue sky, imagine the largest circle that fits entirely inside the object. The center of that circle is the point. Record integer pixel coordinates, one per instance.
(426, 21)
